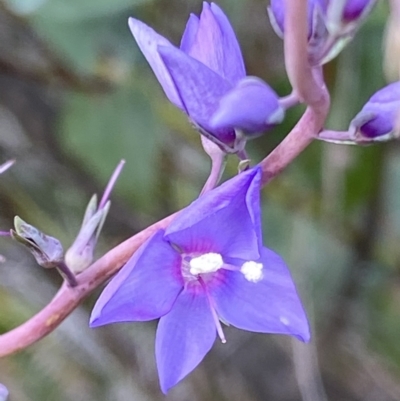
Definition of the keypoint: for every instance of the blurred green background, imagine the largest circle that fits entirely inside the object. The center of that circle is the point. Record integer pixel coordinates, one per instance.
(76, 96)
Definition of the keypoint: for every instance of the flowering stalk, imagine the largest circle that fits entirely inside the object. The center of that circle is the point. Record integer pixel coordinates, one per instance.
(218, 161)
(306, 83)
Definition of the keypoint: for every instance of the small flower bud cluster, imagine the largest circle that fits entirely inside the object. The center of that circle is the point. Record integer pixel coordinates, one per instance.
(331, 24)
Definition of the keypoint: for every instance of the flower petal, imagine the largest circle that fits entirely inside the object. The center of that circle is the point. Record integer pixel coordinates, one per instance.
(145, 288)
(148, 40)
(216, 46)
(189, 34)
(267, 306)
(225, 220)
(251, 106)
(208, 44)
(199, 87)
(234, 69)
(184, 336)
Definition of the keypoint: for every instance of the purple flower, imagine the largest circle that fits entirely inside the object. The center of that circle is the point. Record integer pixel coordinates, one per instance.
(206, 76)
(378, 116)
(3, 392)
(208, 266)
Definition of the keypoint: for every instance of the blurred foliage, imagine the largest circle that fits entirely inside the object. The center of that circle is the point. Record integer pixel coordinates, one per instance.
(77, 96)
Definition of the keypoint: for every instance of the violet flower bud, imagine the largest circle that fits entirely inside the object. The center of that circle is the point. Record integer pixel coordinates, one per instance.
(47, 250)
(355, 9)
(378, 117)
(3, 392)
(198, 75)
(80, 255)
(343, 19)
(317, 31)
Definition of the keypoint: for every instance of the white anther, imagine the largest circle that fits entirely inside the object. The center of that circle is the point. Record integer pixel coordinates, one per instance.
(252, 271)
(206, 263)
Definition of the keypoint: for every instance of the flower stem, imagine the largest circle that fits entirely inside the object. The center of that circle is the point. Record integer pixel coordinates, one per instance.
(289, 101)
(218, 163)
(68, 298)
(67, 274)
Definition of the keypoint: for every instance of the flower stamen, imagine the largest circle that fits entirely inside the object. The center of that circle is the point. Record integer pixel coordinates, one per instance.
(206, 263)
(252, 271)
(217, 322)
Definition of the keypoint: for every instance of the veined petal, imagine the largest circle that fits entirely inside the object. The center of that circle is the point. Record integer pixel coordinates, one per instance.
(251, 106)
(199, 87)
(148, 40)
(216, 46)
(225, 220)
(145, 288)
(233, 67)
(184, 336)
(208, 43)
(189, 34)
(270, 305)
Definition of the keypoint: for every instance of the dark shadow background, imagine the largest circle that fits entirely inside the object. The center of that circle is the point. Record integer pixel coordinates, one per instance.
(76, 96)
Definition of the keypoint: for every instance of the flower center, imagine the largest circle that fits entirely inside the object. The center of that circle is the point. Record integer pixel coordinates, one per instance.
(252, 271)
(206, 263)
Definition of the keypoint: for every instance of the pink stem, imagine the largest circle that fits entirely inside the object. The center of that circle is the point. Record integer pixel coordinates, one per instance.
(309, 86)
(68, 298)
(298, 68)
(395, 8)
(217, 168)
(289, 101)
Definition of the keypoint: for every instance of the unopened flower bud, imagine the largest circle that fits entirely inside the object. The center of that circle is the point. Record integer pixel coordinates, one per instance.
(315, 12)
(80, 255)
(47, 250)
(378, 117)
(355, 9)
(3, 392)
(343, 18)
